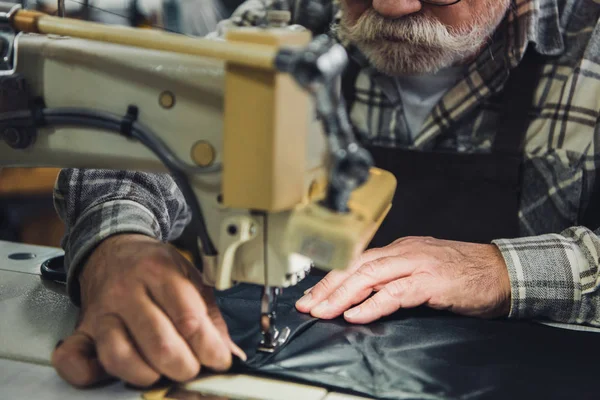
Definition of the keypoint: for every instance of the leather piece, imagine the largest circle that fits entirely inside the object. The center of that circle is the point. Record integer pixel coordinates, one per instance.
(419, 354)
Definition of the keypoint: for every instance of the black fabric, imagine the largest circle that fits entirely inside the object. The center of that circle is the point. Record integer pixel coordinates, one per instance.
(467, 197)
(419, 354)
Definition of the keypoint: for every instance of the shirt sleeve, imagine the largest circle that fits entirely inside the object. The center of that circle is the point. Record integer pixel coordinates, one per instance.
(97, 204)
(555, 276)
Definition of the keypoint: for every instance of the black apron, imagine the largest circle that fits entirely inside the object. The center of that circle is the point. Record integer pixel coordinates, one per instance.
(465, 197)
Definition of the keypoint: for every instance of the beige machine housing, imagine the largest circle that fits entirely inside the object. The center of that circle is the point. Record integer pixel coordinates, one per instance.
(212, 107)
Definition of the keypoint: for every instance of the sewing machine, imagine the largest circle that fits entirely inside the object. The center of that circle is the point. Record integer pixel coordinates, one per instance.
(250, 127)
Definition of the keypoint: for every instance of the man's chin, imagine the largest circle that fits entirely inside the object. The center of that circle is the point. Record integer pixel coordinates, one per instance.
(397, 58)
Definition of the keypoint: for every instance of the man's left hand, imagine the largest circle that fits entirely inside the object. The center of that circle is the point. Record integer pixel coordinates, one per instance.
(469, 279)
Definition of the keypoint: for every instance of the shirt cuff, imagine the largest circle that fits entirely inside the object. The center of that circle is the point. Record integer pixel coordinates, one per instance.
(544, 276)
(97, 224)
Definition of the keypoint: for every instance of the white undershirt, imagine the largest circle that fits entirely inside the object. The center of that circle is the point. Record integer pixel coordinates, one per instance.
(421, 93)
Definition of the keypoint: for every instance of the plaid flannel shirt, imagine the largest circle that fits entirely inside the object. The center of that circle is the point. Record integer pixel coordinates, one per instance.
(553, 266)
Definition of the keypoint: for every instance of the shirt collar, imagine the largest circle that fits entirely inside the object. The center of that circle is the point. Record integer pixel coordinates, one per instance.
(532, 22)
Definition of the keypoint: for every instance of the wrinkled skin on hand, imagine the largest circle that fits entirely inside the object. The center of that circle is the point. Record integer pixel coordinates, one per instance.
(145, 314)
(468, 279)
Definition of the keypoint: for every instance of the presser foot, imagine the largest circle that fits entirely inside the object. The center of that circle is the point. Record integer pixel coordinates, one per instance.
(270, 342)
(271, 337)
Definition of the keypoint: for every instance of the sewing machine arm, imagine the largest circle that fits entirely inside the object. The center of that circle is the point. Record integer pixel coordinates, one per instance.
(238, 123)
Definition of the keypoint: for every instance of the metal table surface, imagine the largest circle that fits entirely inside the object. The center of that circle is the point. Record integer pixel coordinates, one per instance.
(35, 314)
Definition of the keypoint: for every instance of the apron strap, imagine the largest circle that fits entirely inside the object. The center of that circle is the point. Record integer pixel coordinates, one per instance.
(518, 97)
(591, 217)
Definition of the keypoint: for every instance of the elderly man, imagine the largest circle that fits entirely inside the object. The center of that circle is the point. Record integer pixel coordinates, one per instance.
(487, 113)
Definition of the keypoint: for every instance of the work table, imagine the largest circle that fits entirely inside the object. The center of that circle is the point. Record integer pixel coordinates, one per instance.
(35, 314)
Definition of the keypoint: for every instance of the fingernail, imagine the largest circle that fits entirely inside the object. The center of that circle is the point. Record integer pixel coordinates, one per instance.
(320, 309)
(307, 291)
(238, 352)
(58, 344)
(305, 300)
(353, 312)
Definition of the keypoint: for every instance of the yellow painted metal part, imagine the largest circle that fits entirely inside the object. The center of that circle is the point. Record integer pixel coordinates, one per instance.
(372, 200)
(333, 240)
(266, 124)
(157, 394)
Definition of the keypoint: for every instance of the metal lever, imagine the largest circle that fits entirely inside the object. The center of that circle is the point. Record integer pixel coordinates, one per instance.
(317, 68)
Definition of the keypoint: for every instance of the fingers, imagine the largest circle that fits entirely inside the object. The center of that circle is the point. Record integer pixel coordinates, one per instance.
(332, 281)
(237, 351)
(361, 284)
(146, 312)
(217, 319)
(182, 303)
(401, 293)
(157, 339)
(76, 362)
(321, 290)
(119, 356)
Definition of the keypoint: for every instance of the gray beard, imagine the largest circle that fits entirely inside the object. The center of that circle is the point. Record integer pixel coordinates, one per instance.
(418, 44)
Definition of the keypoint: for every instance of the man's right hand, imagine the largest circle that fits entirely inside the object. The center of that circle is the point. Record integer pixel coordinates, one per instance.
(144, 314)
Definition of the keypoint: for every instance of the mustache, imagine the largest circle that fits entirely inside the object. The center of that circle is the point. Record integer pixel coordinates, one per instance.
(416, 29)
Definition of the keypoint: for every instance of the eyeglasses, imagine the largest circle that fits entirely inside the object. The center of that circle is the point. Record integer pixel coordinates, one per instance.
(440, 3)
